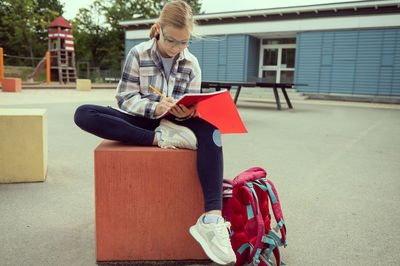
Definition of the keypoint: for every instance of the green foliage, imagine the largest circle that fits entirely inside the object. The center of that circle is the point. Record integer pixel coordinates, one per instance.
(22, 72)
(23, 28)
(98, 36)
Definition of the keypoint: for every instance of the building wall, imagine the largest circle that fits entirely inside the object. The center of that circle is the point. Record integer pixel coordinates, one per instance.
(129, 44)
(353, 61)
(222, 58)
(253, 58)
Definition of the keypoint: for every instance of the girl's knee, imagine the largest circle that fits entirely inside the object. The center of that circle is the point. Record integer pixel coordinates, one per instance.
(216, 136)
(211, 137)
(207, 134)
(81, 114)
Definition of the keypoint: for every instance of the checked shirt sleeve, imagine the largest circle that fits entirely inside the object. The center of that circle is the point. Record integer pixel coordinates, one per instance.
(195, 84)
(129, 95)
(195, 77)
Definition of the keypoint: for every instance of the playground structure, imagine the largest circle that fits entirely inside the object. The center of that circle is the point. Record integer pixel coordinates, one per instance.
(61, 65)
(62, 53)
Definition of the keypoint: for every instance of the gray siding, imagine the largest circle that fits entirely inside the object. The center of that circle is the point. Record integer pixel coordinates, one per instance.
(253, 57)
(131, 43)
(355, 61)
(222, 58)
(237, 58)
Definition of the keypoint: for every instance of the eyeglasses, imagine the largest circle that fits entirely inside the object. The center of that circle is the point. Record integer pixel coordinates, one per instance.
(173, 42)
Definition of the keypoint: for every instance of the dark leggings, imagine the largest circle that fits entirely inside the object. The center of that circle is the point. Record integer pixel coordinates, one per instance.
(108, 123)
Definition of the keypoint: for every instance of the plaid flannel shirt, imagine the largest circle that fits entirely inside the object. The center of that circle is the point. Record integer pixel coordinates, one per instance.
(143, 67)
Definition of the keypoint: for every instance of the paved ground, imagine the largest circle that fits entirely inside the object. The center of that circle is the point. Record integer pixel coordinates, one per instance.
(335, 164)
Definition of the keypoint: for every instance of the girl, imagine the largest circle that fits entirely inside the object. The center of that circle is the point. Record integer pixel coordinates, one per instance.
(165, 63)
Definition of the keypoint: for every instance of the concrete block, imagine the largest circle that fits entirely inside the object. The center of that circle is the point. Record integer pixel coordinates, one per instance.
(23, 145)
(11, 85)
(146, 200)
(83, 84)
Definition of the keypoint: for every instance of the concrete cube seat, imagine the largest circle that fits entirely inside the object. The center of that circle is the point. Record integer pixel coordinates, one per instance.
(11, 85)
(83, 84)
(146, 200)
(23, 145)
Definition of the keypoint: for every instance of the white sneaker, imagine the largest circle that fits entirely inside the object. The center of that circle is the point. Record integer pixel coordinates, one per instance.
(174, 136)
(214, 239)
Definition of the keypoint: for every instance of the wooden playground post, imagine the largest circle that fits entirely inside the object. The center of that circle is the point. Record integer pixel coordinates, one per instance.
(1, 65)
(48, 67)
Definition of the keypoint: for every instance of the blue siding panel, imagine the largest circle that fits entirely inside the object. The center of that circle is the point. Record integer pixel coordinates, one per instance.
(129, 44)
(236, 58)
(253, 57)
(196, 48)
(325, 80)
(222, 58)
(396, 67)
(307, 65)
(210, 57)
(354, 61)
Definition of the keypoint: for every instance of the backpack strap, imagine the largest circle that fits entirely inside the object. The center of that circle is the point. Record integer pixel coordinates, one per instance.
(273, 247)
(277, 210)
(254, 207)
(227, 200)
(268, 186)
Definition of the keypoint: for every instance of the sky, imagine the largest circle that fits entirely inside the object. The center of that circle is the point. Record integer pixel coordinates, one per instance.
(71, 7)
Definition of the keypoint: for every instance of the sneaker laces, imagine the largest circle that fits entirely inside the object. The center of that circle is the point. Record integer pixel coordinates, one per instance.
(170, 141)
(222, 230)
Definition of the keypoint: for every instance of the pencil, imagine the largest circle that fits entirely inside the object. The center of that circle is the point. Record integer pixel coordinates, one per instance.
(151, 87)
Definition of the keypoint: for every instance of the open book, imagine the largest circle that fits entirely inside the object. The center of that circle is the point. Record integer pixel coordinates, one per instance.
(216, 108)
(193, 98)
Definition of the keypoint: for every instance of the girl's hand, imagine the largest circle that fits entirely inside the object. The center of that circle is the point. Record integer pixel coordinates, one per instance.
(164, 105)
(181, 111)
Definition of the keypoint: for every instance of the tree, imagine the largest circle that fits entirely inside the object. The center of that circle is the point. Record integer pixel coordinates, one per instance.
(53, 5)
(22, 28)
(99, 25)
(90, 35)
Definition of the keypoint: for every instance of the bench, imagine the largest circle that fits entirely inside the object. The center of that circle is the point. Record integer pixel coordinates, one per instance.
(146, 199)
(111, 79)
(11, 85)
(23, 145)
(218, 85)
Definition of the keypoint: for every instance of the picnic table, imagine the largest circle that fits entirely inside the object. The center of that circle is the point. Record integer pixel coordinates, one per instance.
(218, 85)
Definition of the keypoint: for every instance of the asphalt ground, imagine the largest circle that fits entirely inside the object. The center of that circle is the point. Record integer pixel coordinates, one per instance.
(335, 166)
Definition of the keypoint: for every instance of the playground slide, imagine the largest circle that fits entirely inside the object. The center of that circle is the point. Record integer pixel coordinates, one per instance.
(38, 70)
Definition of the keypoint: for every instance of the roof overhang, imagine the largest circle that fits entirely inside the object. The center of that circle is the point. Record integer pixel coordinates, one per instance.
(288, 13)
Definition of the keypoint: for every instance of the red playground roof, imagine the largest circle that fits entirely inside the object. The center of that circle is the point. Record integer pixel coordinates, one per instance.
(59, 22)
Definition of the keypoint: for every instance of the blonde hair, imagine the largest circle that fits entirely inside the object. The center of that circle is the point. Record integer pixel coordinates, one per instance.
(177, 14)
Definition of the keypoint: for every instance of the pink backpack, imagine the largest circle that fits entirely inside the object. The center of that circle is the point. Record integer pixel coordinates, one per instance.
(246, 207)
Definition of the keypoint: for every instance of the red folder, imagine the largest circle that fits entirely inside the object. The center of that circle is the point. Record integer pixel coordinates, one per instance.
(218, 109)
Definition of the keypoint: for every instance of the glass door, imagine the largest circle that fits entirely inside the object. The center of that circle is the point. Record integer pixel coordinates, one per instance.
(287, 65)
(270, 64)
(277, 63)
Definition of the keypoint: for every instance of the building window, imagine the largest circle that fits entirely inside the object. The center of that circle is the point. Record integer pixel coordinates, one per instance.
(279, 41)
